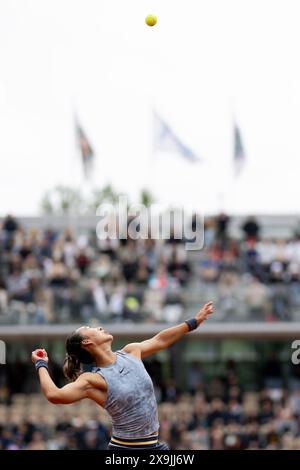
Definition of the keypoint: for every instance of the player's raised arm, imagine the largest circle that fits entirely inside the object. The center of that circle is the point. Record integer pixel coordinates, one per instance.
(70, 393)
(169, 336)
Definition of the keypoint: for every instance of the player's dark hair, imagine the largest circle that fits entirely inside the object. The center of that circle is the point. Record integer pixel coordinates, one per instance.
(75, 356)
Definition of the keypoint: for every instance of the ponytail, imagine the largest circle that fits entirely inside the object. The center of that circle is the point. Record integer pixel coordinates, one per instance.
(75, 356)
(71, 367)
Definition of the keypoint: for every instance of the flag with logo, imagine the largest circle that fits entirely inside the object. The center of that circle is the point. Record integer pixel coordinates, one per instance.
(85, 148)
(166, 140)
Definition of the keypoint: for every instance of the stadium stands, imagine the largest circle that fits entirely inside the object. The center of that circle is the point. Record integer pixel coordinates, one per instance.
(50, 275)
(55, 277)
(221, 417)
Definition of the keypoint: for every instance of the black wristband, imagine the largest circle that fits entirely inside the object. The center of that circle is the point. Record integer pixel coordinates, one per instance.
(41, 363)
(192, 324)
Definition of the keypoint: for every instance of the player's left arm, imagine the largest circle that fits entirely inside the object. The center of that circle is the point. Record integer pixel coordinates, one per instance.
(70, 393)
(167, 337)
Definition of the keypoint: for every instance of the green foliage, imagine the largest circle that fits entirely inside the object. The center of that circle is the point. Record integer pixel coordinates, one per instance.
(101, 196)
(146, 198)
(62, 200)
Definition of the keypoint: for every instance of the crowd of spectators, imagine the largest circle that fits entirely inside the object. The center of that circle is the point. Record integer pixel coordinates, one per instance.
(213, 414)
(254, 278)
(61, 276)
(51, 276)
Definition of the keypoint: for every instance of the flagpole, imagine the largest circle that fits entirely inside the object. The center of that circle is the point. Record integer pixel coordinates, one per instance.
(86, 181)
(238, 160)
(79, 179)
(151, 174)
(233, 171)
(232, 176)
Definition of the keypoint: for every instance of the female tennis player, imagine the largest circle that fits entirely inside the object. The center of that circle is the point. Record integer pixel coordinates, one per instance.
(118, 382)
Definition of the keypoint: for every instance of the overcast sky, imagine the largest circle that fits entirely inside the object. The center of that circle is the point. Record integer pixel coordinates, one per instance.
(204, 62)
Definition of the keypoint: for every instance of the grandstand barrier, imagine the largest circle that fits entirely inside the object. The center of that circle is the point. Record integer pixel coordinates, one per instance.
(254, 331)
(272, 226)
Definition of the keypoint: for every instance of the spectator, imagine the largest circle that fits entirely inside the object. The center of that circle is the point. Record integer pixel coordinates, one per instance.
(10, 225)
(272, 372)
(222, 226)
(251, 229)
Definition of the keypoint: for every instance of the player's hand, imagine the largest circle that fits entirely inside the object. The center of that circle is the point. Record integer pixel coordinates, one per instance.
(37, 354)
(205, 311)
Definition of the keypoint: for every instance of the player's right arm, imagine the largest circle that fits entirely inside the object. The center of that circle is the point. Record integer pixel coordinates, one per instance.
(83, 387)
(165, 338)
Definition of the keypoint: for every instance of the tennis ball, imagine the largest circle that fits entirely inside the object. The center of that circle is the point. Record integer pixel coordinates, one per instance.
(151, 20)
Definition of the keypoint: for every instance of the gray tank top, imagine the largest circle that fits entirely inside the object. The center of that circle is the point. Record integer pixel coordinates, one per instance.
(131, 401)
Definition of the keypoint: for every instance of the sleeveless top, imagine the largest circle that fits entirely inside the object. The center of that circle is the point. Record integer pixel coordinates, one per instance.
(131, 401)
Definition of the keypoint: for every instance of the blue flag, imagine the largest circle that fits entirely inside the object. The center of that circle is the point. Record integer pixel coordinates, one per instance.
(166, 140)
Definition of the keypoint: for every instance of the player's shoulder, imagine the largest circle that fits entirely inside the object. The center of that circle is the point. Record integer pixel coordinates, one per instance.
(133, 348)
(91, 378)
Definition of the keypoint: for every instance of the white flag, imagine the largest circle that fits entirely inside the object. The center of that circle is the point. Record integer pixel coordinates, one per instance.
(166, 140)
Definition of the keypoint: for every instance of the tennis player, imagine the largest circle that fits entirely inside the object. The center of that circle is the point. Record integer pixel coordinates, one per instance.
(119, 381)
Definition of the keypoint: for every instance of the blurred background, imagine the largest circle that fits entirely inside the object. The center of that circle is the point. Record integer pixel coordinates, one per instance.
(199, 111)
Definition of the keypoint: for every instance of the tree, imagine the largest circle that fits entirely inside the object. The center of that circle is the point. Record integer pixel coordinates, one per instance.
(146, 198)
(46, 204)
(101, 196)
(62, 200)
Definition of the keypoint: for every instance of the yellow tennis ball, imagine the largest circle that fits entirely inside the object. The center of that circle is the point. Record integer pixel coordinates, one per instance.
(151, 20)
